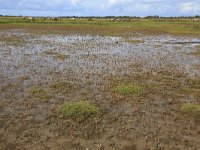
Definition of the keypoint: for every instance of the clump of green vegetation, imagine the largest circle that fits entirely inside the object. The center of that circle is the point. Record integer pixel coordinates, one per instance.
(191, 109)
(81, 109)
(55, 55)
(128, 89)
(38, 92)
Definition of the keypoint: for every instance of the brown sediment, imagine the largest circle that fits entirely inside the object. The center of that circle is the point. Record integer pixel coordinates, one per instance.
(148, 114)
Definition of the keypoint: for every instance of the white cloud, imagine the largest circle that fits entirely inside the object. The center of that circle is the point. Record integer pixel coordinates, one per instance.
(145, 7)
(186, 7)
(75, 2)
(114, 2)
(102, 7)
(39, 4)
(189, 7)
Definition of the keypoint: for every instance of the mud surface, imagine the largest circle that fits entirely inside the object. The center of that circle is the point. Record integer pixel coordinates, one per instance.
(90, 67)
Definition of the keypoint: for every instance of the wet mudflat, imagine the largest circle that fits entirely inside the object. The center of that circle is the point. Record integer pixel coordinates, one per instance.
(142, 83)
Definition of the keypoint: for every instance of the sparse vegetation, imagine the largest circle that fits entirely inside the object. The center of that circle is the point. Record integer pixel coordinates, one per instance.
(55, 55)
(38, 92)
(62, 87)
(81, 109)
(49, 53)
(141, 87)
(60, 57)
(197, 51)
(190, 90)
(13, 40)
(59, 85)
(157, 45)
(34, 90)
(191, 109)
(135, 41)
(129, 89)
(23, 78)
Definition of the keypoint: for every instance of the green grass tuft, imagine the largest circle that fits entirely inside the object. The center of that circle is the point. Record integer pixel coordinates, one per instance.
(128, 89)
(81, 109)
(191, 109)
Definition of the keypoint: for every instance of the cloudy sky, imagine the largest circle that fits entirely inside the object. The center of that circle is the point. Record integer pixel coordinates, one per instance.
(100, 7)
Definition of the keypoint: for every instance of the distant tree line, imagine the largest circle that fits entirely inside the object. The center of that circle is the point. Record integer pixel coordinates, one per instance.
(107, 17)
(134, 17)
(156, 16)
(101, 17)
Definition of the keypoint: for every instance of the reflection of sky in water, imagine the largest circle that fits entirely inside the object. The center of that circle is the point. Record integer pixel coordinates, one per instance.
(94, 56)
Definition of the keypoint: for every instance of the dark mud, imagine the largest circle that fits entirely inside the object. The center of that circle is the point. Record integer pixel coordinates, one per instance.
(67, 68)
(195, 42)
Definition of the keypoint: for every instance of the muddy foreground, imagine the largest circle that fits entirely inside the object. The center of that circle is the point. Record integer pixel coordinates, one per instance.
(76, 67)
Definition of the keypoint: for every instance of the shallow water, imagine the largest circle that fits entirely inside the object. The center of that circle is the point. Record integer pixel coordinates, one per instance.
(90, 64)
(94, 55)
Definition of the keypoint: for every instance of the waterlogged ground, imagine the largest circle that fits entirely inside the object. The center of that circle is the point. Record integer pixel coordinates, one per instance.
(67, 68)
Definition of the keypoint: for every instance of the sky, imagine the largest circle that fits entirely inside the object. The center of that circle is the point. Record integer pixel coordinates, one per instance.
(100, 7)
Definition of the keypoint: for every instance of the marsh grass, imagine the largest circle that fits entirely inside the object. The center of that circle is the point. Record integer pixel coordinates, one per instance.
(38, 92)
(191, 109)
(79, 110)
(152, 26)
(128, 89)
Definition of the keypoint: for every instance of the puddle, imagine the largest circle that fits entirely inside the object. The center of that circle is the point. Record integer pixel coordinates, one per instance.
(88, 63)
(93, 55)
